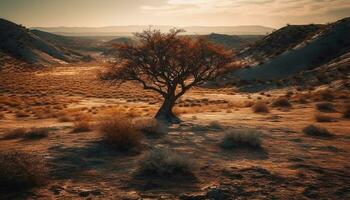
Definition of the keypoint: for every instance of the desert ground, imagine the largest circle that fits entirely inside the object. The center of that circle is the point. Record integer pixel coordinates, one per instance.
(69, 102)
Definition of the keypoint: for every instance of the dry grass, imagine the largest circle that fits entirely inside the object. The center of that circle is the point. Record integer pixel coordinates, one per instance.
(164, 162)
(319, 117)
(260, 107)
(317, 131)
(325, 107)
(151, 127)
(29, 134)
(120, 133)
(241, 138)
(15, 133)
(281, 102)
(36, 133)
(21, 114)
(216, 125)
(19, 170)
(82, 123)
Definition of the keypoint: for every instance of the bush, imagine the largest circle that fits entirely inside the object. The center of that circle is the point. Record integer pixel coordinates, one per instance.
(323, 118)
(33, 133)
(164, 162)
(325, 107)
(19, 170)
(313, 130)
(281, 102)
(36, 133)
(260, 107)
(120, 133)
(241, 138)
(15, 133)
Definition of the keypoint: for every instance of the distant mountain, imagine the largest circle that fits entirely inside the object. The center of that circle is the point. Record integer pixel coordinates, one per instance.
(129, 30)
(294, 49)
(28, 46)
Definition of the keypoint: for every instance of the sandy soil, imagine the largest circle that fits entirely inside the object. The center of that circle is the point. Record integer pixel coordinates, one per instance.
(290, 164)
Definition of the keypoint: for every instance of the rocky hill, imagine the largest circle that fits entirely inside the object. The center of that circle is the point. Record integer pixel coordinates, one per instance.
(294, 49)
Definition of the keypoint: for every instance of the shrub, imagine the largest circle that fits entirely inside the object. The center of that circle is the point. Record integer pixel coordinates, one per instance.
(260, 107)
(165, 162)
(323, 118)
(36, 133)
(313, 130)
(325, 107)
(15, 133)
(19, 170)
(120, 133)
(281, 102)
(241, 138)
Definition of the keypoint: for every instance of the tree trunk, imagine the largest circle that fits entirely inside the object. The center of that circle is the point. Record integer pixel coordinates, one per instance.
(165, 113)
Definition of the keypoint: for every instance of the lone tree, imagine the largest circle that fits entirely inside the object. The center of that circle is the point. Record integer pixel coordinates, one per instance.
(168, 64)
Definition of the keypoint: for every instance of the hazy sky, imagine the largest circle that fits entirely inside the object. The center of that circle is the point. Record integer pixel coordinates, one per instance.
(95, 13)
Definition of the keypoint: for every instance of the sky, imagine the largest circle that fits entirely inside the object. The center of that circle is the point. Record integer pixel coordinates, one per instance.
(98, 13)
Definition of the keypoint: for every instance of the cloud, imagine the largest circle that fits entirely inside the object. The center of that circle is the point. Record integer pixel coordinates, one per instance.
(249, 8)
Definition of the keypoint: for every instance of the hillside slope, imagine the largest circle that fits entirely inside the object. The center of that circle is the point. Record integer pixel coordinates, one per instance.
(20, 43)
(307, 52)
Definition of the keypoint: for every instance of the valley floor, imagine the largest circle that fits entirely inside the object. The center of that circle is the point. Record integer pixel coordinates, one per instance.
(290, 164)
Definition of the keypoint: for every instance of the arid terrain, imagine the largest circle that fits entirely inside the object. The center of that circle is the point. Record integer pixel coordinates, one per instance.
(274, 123)
(289, 164)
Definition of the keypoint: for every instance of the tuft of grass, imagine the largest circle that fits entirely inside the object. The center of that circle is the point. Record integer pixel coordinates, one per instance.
(20, 170)
(281, 102)
(15, 133)
(28, 134)
(241, 138)
(260, 107)
(82, 124)
(317, 131)
(36, 133)
(216, 125)
(120, 133)
(325, 107)
(164, 162)
(323, 118)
